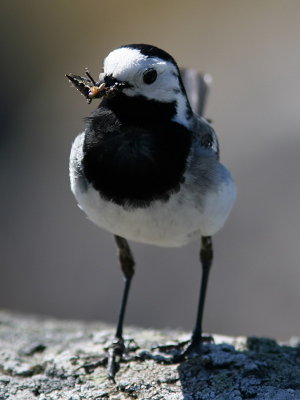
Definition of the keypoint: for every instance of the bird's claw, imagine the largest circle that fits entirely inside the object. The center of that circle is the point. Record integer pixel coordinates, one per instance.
(178, 352)
(115, 353)
(195, 347)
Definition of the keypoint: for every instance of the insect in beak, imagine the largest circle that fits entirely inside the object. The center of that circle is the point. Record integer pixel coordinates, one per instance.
(88, 87)
(91, 89)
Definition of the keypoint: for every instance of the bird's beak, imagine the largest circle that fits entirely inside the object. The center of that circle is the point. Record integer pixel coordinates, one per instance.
(106, 87)
(113, 85)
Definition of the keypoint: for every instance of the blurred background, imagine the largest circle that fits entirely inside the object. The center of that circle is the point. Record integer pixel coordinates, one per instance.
(56, 262)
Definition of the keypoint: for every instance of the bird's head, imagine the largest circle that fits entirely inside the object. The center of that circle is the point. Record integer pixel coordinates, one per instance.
(140, 70)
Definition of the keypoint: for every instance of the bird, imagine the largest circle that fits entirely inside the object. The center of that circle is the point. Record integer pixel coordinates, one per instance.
(146, 168)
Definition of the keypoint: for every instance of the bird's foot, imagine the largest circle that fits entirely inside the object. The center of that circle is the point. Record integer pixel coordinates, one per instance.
(196, 345)
(178, 352)
(115, 353)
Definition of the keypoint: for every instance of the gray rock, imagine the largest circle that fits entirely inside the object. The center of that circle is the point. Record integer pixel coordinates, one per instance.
(47, 359)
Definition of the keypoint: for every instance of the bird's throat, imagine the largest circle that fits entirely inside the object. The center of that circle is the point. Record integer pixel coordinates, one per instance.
(139, 110)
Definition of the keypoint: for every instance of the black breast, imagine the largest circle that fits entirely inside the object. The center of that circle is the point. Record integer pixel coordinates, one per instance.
(134, 165)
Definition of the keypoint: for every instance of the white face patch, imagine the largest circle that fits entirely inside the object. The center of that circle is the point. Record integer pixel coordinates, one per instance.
(128, 65)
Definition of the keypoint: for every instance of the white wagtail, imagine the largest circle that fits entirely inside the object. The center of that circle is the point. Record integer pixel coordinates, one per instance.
(146, 168)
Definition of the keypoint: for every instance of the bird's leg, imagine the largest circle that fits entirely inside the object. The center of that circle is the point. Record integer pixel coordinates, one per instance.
(127, 265)
(206, 257)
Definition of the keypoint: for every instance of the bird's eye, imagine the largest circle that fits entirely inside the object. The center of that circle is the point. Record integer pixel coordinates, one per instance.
(149, 76)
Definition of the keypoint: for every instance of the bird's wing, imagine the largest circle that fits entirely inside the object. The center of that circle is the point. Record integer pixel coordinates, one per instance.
(205, 135)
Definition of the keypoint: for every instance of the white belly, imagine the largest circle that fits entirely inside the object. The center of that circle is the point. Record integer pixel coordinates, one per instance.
(187, 215)
(172, 223)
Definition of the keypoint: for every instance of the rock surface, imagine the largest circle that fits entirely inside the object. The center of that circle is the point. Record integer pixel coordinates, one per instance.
(47, 359)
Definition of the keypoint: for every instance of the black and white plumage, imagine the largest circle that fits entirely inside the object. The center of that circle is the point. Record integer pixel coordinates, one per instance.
(146, 168)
